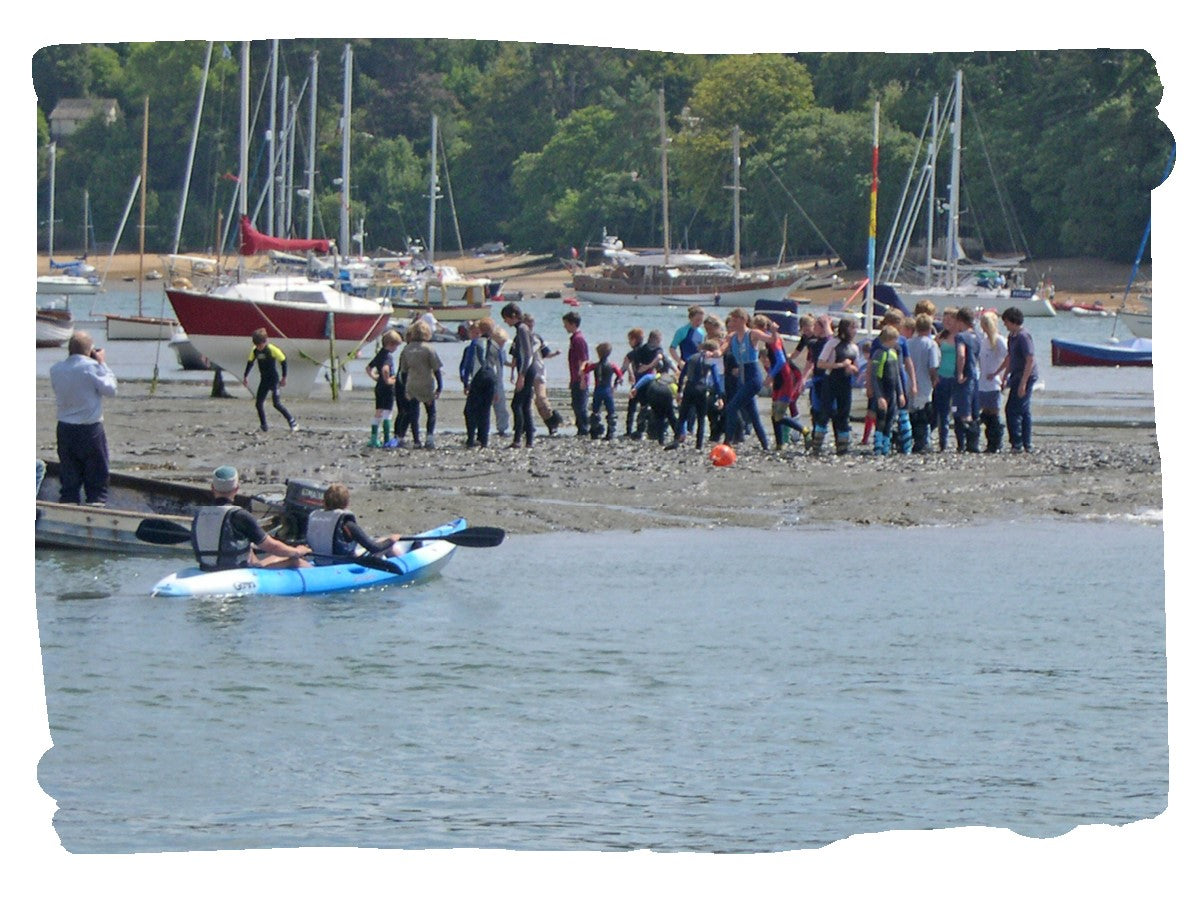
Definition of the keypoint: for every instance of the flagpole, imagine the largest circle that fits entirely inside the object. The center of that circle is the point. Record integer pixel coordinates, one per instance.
(869, 295)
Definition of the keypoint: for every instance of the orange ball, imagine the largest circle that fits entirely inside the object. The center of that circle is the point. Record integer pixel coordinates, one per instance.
(722, 455)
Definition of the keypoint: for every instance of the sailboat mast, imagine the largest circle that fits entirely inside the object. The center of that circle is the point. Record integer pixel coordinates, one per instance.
(666, 205)
(955, 176)
(737, 198)
(142, 213)
(432, 187)
(243, 141)
(344, 233)
(187, 177)
(86, 215)
(869, 292)
(931, 215)
(312, 149)
(272, 139)
(285, 178)
(50, 231)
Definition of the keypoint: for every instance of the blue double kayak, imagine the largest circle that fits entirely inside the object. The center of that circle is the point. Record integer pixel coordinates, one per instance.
(424, 558)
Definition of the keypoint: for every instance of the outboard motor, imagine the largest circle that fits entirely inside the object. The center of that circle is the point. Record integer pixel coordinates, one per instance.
(301, 500)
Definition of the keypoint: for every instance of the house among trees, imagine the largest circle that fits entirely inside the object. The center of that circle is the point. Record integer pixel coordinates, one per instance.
(70, 114)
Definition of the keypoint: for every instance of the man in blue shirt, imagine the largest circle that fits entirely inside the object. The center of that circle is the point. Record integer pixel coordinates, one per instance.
(80, 383)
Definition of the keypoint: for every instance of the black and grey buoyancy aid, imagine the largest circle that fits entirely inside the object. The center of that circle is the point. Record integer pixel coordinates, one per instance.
(326, 533)
(214, 542)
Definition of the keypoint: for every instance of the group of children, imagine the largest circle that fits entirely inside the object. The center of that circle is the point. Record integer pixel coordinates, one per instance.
(920, 383)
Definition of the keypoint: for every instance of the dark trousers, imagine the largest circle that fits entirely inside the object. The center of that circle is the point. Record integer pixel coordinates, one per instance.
(478, 408)
(413, 417)
(522, 410)
(693, 410)
(265, 389)
(920, 427)
(579, 402)
(1019, 417)
(82, 462)
(943, 394)
(835, 405)
(603, 398)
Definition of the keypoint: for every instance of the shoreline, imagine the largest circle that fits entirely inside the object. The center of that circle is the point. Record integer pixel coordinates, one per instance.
(1080, 280)
(1081, 468)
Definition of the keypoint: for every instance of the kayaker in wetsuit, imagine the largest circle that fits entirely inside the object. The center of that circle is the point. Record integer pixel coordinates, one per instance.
(270, 379)
(225, 535)
(334, 531)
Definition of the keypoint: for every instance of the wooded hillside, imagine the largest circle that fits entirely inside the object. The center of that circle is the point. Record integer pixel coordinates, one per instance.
(544, 146)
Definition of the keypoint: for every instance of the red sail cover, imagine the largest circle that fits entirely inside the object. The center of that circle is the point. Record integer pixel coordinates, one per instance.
(255, 242)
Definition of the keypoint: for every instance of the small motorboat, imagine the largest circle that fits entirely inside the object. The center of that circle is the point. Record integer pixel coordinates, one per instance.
(1136, 351)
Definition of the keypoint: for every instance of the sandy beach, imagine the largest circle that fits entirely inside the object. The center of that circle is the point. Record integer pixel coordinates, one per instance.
(1093, 466)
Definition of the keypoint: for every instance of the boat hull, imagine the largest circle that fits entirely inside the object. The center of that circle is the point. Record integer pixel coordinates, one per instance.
(65, 285)
(1136, 352)
(1001, 299)
(309, 333)
(113, 527)
(54, 327)
(1140, 324)
(140, 327)
(427, 557)
(610, 292)
(190, 359)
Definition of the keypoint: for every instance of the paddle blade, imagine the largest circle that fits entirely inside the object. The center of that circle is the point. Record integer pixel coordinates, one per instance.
(478, 538)
(162, 532)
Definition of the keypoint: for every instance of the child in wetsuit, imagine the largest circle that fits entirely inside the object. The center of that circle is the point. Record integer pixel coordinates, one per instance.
(886, 391)
(607, 375)
(700, 383)
(966, 388)
(270, 379)
(382, 370)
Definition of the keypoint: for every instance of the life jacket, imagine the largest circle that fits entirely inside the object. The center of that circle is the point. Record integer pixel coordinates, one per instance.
(214, 542)
(326, 533)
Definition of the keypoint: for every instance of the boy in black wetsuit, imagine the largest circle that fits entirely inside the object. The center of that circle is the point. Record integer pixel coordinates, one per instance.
(269, 378)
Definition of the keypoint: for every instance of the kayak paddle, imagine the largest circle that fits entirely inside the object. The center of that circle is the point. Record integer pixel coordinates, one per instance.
(165, 532)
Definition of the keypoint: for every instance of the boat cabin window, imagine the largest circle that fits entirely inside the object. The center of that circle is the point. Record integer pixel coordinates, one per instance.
(300, 296)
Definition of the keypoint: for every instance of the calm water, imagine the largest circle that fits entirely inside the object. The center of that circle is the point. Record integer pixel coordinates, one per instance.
(1085, 387)
(620, 691)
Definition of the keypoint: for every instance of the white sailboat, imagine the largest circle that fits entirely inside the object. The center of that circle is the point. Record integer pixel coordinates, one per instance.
(67, 278)
(141, 326)
(954, 281)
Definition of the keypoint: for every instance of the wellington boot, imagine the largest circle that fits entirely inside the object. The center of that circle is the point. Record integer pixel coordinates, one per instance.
(973, 436)
(374, 441)
(387, 430)
(817, 440)
(905, 432)
(841, 443)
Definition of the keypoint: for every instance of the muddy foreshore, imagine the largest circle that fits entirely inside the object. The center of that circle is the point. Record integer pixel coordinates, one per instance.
(1092, 468)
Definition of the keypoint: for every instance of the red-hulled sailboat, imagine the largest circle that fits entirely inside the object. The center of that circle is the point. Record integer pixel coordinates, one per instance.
(316, 325)
(313, 322)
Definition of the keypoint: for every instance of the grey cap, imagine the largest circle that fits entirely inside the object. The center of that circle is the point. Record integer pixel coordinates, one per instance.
(225, 479)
